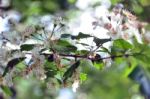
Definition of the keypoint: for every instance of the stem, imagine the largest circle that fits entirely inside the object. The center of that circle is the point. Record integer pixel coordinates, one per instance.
(95, 59)
(53, 31)
(97, 48)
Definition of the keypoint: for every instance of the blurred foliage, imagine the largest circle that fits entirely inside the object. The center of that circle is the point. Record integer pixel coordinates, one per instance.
(98, 80)
(109, 85)
(40, 7)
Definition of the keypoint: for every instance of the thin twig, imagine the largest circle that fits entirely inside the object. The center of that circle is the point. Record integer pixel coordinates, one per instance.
(95, 58)
(97, 48)
(53, 31)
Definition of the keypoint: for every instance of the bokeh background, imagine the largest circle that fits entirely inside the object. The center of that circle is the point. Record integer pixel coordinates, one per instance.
(106, 84)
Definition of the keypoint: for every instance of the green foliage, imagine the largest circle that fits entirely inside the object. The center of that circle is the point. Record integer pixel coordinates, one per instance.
(71, 70)
(11, 64)
(79, 36)
(83, 77)
(144, 2)
(108, 84)
(115, 1)
(27, 47)
(100, 41)
(64, 46)
(122, 44)
(57, 62)
(143, 51)
(7, 90)
(50, 68)
(37, 7)
(26, 87)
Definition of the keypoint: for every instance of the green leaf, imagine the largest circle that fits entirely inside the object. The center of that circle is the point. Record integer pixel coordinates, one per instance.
(50, 68)
(122, 44)
(144, 2)
(81, 36)
(12, 63)
(7, 90)
(65, 35)
(63, 42)
(114, 2)
(138, 47)
(132, 63)
(100, 41)
(144, 58)
(58, 76)
(83, 77)
(143, 52)
(70, 70)
(99, 65)
(27, 47)
(65, 49)
(137, 8)
(64, 46)
(21, 66)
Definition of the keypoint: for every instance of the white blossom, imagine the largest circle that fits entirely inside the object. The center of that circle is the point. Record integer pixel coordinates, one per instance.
(4, 25)
(65, 94)
(75, 85)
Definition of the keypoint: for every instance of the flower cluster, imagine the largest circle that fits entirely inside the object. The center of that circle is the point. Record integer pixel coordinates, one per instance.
(47, 49)
(104, 23)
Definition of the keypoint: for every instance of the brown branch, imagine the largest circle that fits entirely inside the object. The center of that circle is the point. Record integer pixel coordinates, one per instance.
(95, 58)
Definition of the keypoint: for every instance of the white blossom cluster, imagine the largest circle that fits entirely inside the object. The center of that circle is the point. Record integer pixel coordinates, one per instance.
(98, 21)
(102, 22)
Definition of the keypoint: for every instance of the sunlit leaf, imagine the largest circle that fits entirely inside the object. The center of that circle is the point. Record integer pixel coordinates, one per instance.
(132, 63)
(114, 2)
(122, 44)
(98, 66)
(83, 77)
